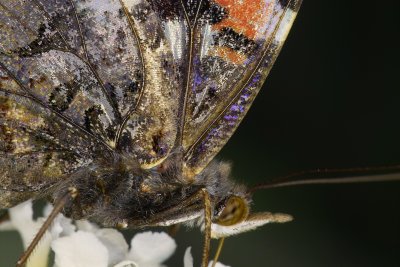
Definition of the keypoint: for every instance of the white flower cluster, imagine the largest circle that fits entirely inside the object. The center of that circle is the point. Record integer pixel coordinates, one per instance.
(84, 244)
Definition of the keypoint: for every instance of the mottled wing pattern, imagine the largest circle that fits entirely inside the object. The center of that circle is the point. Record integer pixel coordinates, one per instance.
(150, 130)
(71, 73)
(37, 150)
(235, 45)
(79, 78)
(79, 58)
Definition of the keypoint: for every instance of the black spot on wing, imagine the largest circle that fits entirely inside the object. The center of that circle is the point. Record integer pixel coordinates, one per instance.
(209, 12)
(110, 89)
(93, 124)
(283, 3)
(62, 96)
(125, 142)
(166, 9)
(191, 8)
(141, 11)
(158, 146)
(212, 13)
(132, 88)
(228, 37)
(92, 119)
(289, 3)
(46, 40)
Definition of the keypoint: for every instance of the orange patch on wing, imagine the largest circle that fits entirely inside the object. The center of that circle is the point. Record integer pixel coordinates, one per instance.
(231, 55)
(245, 16)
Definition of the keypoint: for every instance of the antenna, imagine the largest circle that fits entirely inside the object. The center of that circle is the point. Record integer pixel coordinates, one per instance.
(333, 176)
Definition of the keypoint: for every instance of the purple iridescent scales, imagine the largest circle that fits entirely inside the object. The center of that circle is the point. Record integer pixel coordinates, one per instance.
(241, 87)
(109, 76)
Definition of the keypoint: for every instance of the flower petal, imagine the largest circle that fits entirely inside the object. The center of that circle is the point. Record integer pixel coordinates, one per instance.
(126, 264)
(21, 216)
(218, 264)
(115, 244)
(188, 259)
(7, 226)
(151, 248)
(86, 226)
(81, 249)
(62, 225)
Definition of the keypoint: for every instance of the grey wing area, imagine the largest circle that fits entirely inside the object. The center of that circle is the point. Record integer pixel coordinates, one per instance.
(160, 27)
(38, 148)
(234, 50)
(70, 73)
(79, 58)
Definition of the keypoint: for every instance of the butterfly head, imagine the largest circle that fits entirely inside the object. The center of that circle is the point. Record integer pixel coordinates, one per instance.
(232, 213)
(234, 217)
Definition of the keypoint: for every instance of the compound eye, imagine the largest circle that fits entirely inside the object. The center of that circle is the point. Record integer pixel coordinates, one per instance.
(236, 210)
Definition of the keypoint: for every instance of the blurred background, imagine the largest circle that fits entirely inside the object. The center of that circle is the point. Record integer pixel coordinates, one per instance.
(331, 101)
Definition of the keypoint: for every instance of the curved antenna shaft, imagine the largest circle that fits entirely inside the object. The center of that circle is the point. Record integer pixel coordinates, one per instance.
(59, 205)
(349, 175)
(219, 249)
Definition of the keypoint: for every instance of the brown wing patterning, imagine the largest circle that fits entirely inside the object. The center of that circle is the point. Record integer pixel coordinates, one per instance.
(234, 50)
(81, 78)
(70, 71)
(161, 31)
(37, 150)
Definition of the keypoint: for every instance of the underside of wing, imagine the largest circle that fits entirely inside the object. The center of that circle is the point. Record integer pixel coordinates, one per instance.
(70, 72)
(235, 45)
(150, 130)
(37, 150)
(106, 66)
(79, 58)
(140, 77)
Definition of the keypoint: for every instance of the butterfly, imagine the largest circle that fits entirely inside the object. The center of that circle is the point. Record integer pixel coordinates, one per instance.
(116, 109)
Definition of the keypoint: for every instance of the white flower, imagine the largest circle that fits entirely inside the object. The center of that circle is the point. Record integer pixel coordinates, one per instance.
(84, 244)
(91, 246)
(218, 264)
(21, 219)
(151, 249)
(188, 260)
(81, 249)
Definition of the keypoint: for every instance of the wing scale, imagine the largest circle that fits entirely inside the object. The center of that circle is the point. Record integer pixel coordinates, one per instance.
(230, 66)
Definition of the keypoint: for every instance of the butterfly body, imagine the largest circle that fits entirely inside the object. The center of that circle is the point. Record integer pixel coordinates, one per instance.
(128, 102)
(118, 193)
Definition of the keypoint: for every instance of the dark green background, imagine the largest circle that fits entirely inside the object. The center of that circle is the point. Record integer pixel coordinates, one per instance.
(332, 100)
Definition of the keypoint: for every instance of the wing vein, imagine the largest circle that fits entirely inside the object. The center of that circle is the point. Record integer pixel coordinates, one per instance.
(48, 16)
(238, 93)
(184, 96)
(90, 65)
(35, 99)
(85, 60)
(131, 24)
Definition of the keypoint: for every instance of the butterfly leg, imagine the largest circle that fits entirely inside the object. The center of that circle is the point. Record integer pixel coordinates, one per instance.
(201, 195)
(207, 227)
(58, 206)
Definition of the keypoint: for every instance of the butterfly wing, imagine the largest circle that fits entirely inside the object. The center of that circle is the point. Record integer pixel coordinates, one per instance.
(234, 51)
(203, 63)
(150, 129)
(37, 147)
(124, 75)
(70, 73)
